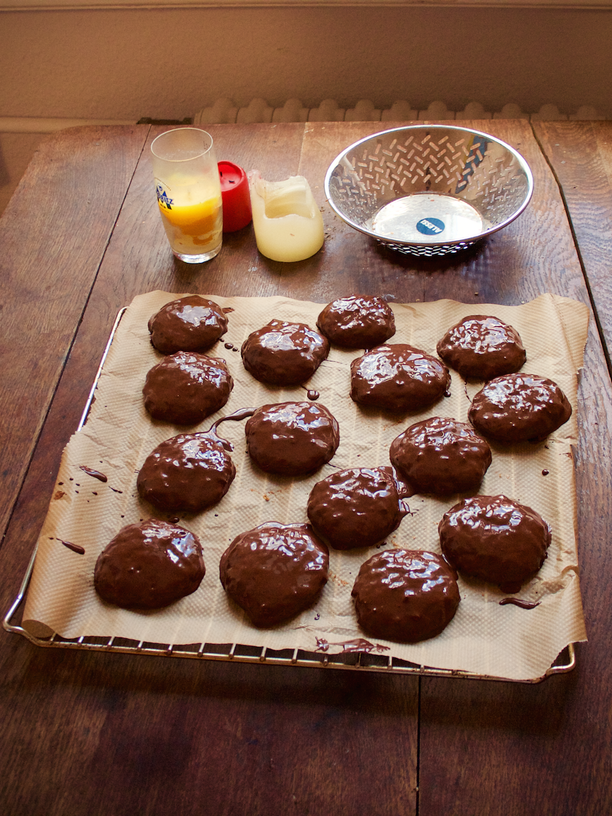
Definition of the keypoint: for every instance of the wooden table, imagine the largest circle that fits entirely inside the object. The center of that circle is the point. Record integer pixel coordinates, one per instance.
(111, 734)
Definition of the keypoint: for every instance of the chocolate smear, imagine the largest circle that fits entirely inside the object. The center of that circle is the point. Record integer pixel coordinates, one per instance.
(518, 602)
(74, 547)
(95, 473)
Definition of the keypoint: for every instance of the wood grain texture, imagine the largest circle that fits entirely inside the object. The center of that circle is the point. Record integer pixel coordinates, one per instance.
(98, 734)
(87, 734)
(581, 157)
(53, 235)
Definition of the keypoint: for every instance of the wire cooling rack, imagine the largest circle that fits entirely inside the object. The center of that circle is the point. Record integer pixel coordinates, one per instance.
(353, 657)
(357, 655)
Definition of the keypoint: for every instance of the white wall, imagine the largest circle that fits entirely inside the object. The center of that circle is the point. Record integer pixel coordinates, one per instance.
(125, 64)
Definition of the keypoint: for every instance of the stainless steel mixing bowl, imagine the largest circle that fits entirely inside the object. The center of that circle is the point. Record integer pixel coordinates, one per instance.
(429, 189)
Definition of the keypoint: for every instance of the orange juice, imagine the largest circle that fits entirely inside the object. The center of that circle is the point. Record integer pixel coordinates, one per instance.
(189, 193)
(192, 217)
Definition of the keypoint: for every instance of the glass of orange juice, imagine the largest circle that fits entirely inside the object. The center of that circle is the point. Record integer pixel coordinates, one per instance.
(189, 193)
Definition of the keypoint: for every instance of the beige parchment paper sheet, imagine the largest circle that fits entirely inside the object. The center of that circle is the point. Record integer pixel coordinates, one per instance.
(484, 637)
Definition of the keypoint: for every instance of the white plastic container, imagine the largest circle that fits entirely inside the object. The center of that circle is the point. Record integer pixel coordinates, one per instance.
(288, 224)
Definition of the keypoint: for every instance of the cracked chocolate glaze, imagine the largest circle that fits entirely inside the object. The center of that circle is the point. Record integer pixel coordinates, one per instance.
(187, 473)
(495, 539)
(186, 387)
(519, 408)
(441, 456)
(480, 347)
(149, 565)
(292, 438)
(398, 378)
(283, 353)
(405, 595)
(356, 507)
(191, 323)
(360, 321)
(275, 571)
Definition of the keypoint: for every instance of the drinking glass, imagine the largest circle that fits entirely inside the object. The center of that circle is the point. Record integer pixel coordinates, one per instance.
(189, 193)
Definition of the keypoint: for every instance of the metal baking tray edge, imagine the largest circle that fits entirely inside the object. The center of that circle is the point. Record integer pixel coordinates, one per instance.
(243, 653)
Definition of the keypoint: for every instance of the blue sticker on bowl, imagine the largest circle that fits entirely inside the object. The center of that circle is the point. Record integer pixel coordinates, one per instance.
(430, 226)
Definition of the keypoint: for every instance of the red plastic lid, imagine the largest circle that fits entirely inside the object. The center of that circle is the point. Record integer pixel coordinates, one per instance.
(236, 196)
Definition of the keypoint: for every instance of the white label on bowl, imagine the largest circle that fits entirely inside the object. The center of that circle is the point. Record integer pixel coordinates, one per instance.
(430, 226)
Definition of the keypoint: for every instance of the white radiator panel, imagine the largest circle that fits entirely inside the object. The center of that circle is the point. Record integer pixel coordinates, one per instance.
(225, 111)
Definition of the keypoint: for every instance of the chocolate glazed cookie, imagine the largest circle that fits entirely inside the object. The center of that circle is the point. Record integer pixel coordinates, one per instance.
(495, 539)
(292, 438)
(356, 507)
(191, 323)
(360, 321)
(398, 378)
(441, 456)
(186, 387)
(284, 353)
(405, 595)
(519, 408)
(274, 571)
(187, 473)
(481, 347)
(149, 565)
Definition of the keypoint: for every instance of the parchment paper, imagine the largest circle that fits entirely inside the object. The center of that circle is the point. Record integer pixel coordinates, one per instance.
(484, 637)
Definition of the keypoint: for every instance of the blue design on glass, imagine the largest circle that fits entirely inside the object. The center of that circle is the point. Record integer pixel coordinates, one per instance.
(430, 226)
(162, 197)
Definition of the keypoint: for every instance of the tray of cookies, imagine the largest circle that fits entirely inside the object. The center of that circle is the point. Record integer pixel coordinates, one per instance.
(363, 484)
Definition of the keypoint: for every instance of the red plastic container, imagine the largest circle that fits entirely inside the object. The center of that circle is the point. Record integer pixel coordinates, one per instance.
(236, 196)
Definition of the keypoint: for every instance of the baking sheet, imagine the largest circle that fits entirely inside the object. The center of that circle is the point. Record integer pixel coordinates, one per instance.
(484, 637)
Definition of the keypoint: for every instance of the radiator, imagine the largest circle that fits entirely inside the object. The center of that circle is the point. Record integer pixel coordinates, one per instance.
(224, 111)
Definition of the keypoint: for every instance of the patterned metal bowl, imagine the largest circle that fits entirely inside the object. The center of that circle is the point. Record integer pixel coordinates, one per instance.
(429, 189)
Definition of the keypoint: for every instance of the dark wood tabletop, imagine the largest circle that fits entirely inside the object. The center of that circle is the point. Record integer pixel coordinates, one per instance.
(87, 733)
